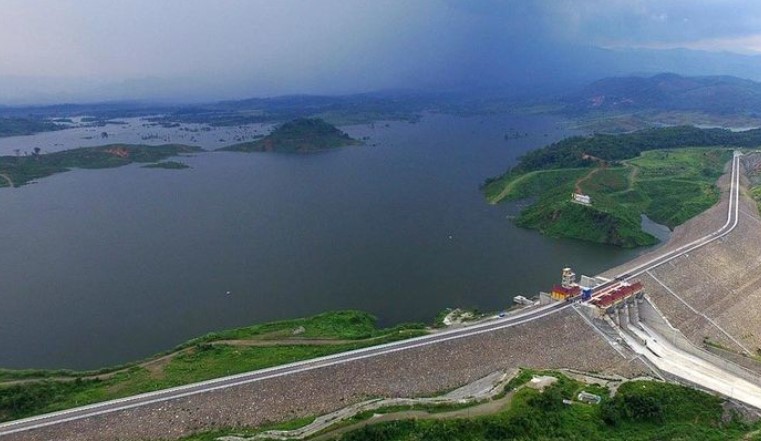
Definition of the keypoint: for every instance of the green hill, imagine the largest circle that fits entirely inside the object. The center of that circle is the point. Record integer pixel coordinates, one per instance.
(556, 216)
(625, 176)
(302, 135)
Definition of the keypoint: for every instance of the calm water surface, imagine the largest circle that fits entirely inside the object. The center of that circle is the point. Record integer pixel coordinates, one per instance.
(106, 266)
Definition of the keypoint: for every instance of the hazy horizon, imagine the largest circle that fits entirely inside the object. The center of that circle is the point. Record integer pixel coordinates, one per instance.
(196, 50)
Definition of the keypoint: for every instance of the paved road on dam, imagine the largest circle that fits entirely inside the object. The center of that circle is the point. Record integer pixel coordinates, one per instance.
(235, 380)
(493, 325)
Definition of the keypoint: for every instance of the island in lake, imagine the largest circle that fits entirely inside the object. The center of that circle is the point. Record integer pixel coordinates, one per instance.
(22, 169)
(168, 165)
(303, 135)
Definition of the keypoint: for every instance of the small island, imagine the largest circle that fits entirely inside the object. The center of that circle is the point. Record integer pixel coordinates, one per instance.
(596, 188)
(22, 169)
(303, 135)
(18, 126)
(168, 165)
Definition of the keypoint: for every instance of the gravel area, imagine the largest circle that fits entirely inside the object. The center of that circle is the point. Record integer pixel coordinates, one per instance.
(721, 281)
(552, 342)
(483, 389)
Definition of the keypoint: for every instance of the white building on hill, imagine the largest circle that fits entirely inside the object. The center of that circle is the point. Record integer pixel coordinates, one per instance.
(581, 199)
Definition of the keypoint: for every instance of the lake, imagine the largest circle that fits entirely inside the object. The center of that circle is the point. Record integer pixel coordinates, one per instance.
(102, 267)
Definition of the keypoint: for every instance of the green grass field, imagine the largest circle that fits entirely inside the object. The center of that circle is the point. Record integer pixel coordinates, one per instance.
(672, 186)
(669, 186)
(200, 359)
(507, 187)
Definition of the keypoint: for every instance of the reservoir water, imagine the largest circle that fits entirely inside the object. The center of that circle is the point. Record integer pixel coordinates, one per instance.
(101, 267)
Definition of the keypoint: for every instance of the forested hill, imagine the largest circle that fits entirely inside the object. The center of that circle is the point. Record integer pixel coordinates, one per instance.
(302, 135)
(669, 174)
(585, 151)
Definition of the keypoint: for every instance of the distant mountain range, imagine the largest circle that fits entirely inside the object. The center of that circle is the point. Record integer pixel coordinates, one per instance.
(721, 95)
(611, 105)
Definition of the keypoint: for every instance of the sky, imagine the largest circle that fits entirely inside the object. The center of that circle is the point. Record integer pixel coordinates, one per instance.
(205, 49)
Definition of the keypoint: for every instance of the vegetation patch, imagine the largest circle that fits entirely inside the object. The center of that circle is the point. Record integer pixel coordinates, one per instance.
(519, 186)
(752, 165)
(625, 176)
(756, 195)
(641, 410)
(169, 165)
(20, 170)
(211, 356)
(344, 325)
(26, 126)
(555, 215)
(302, 135)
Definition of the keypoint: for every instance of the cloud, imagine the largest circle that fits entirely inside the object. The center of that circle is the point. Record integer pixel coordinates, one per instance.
(231, 48)
(748, 45)
(652, 22)
(262, 46)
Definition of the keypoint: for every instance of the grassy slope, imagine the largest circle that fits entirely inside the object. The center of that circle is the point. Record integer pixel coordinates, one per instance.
(23, 169)
(755, 193)
(522, 185)
(198, 360)
(670, 186)
(753, 173)
(555, 215)
(298, 136)
(673, 186)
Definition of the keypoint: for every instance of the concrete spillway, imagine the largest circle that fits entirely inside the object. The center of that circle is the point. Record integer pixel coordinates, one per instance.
(653, 338)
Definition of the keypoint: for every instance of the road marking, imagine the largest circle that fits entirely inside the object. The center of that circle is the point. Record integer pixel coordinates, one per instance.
(255, 376)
